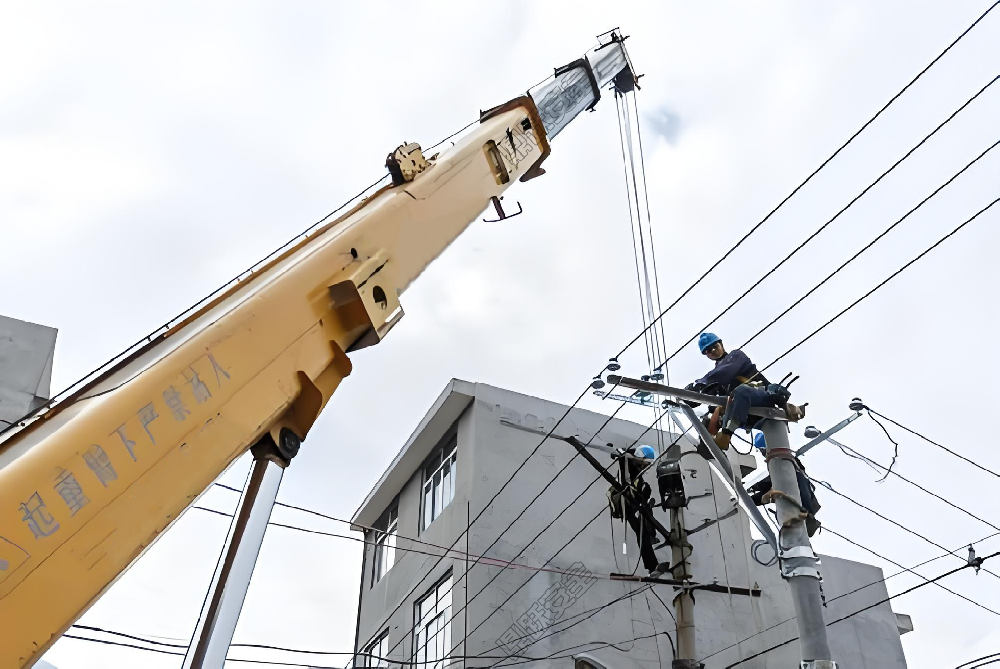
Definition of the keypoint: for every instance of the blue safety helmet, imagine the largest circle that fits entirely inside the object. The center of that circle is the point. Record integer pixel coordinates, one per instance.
(646, 452)
(758, 441)
(706, 339)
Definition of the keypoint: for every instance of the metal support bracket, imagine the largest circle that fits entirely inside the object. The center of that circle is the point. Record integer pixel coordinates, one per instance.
(501, 214)
(691, 396)
(720, 463)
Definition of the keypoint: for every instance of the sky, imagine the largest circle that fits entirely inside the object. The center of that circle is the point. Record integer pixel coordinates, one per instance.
(151, 151)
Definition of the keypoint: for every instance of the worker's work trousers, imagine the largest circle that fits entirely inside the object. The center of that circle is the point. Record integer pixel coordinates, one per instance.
(740, 402)
(645, 534)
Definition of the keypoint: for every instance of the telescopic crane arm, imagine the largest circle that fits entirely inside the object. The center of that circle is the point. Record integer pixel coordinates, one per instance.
(87, 484)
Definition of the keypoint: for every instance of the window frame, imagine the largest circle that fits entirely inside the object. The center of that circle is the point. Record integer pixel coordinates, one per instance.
(432, 502)
(380, 537)
(378, 640)
(420, 654)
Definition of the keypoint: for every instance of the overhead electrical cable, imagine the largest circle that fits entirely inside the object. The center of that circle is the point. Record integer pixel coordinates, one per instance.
(870, 606)
(882, 283)
(904, 570)
(934, 443)
(911, 571)
(823, 227)
(580, 397)
(557, 517)
(890, 520)
(869, 245)
(889, 470)
(817, 170)
(492, 499)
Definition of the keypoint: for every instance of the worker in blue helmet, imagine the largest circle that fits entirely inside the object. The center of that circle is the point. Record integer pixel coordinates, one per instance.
(735, 376)
(807, 491)
(633, 505)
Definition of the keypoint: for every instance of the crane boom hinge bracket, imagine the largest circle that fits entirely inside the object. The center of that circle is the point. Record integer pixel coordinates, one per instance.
(365, 296)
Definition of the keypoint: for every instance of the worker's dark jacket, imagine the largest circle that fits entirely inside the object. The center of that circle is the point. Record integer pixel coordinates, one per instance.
(730, 371)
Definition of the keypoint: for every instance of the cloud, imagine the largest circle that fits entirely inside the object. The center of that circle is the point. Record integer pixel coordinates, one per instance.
(665, 123)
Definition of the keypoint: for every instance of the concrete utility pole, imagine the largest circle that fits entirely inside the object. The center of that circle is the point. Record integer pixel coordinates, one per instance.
(683, 601)
(796, 559)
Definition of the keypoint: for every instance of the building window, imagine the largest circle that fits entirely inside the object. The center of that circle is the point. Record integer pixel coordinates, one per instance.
(432, 631)
(375, 652)
(439, 480)
(385, 545)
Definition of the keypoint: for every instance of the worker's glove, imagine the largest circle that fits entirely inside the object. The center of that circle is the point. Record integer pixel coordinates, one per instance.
(695, 388)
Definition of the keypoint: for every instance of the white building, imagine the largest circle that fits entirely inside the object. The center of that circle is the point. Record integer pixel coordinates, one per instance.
(412, 605)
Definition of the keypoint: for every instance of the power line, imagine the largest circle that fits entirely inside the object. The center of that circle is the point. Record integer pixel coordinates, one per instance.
(562, 548)
(814, 172)
(491, 561)
(889, 520)
(977, 562)
(911, 571)
(580, 397)
(581, 617)
(978, 659)
(934, 443)
(872, 242)
(542, 531)
(885, 281)
(834, 218)
(904, 570)
(102, 370)
(889, 470)
(492, 499)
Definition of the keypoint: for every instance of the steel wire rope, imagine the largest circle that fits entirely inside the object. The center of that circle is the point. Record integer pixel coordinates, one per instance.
(659, 338)
(817, 170)
(739, 242)
(879, 285)
(870, 606)
(652, 345)
(649, 221)
(823, 227)
(870, 244)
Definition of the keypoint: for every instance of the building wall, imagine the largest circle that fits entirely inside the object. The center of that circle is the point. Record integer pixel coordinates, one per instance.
(495, 434)
(26, 352)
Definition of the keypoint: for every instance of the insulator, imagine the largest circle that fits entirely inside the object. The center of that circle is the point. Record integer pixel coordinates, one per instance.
(597, 383)
(856, 404)
(812, 432)
(613, 365)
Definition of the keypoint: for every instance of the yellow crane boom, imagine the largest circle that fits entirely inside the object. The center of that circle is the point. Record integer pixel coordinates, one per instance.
(87, 484)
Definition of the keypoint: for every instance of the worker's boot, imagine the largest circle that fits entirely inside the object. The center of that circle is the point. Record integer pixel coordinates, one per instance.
(722, 439)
